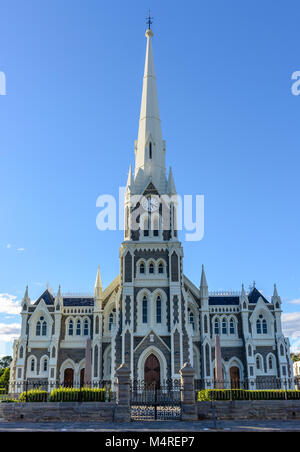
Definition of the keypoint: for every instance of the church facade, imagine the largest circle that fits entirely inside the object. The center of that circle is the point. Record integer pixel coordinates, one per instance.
(151, 317)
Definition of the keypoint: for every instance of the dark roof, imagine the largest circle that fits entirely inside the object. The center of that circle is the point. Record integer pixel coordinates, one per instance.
(254, 296)
(47, 297)
(68, 301)
(226, 300)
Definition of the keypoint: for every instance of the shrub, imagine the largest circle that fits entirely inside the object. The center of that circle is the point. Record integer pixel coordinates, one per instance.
(34, 395)
(3, 390)
(85, 394)
(243, 394)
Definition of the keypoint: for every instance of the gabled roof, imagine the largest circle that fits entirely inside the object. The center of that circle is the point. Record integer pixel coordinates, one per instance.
(226, 300)
(47, 297)
(254, 295)
(76, 301)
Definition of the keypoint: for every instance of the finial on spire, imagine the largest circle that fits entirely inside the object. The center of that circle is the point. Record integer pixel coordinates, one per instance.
(149, 20)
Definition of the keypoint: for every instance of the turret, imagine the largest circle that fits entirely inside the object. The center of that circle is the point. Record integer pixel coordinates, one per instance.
(26, 300)
(98, 292)
(276, 300)
(58, 303)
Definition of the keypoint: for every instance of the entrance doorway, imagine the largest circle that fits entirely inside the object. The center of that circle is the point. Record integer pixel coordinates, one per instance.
(152, 371)
(68, 377)
(235, 377)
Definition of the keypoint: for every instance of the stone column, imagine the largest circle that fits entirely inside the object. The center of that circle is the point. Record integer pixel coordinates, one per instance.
(188, 405)
(219, 384)
(122, 412)
(88, 363)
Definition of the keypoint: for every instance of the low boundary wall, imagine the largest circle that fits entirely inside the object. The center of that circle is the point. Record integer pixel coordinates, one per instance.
(252, 409)
(57, 411)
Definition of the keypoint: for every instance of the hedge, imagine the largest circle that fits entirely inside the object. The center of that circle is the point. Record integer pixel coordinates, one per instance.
(79, 395)
(3, 390)
(85, 394)
(244, 394)
(34, 395)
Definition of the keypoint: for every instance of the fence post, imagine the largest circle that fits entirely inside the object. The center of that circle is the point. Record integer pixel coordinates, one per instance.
(188, 405)
(122, 410)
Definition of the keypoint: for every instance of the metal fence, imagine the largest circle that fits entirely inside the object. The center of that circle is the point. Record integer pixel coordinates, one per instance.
(258, 383)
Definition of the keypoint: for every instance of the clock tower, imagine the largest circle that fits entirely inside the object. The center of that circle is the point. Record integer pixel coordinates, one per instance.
(153, 309)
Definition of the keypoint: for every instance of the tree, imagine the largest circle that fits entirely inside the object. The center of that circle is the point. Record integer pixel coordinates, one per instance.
(5, 362)
(295, 357)
(4, 379)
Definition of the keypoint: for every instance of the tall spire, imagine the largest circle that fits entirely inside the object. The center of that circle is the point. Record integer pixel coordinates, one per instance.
(150, 148)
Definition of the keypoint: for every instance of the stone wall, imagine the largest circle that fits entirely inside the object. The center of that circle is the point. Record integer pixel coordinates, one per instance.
(254, 409)
(57, 411)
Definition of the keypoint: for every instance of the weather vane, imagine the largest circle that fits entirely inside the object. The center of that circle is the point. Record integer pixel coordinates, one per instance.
(149, 20)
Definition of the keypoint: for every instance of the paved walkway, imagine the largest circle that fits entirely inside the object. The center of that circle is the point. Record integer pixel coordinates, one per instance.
(162, 426)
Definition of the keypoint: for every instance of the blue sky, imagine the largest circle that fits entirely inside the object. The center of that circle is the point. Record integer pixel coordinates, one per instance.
(70, 117)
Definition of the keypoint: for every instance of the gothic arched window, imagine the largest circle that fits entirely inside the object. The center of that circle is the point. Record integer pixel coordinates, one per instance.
(151, 268)
(258, 326)
(78, 328)
(150, 150)
(145, 310)
(110, 321)
(97, 324)
(38, 329)
(264, 326)
(217, 326)
(270, 362)
(86, 327)
(205, 324)
(44, 328)
(224, 326)
(71, 327)
(191, 319)
(158, 310)
(231, 326)
(258, 363)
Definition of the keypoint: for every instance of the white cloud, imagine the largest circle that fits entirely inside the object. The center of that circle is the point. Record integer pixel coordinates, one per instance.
(291, 324)
(9, 304)
(294, 301)
(8, 245)
(20, 249)
(9, 331)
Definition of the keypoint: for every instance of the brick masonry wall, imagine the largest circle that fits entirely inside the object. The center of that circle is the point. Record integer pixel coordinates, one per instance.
(254, 409)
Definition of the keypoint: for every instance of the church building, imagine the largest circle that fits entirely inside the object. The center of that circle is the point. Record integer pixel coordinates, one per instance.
(151, 316)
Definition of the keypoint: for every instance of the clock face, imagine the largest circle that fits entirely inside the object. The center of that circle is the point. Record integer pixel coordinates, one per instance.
(151, 204)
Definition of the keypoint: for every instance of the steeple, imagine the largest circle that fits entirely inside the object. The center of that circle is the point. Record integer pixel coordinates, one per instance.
(26, 299)
(276, 300)
(149, 147)
(171, 183)
(98, 291)
(203, 284)
(58, 300)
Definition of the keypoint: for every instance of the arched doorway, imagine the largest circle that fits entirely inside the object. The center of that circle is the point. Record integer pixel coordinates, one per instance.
(68, 377)
(152, 371)
(234, 377)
